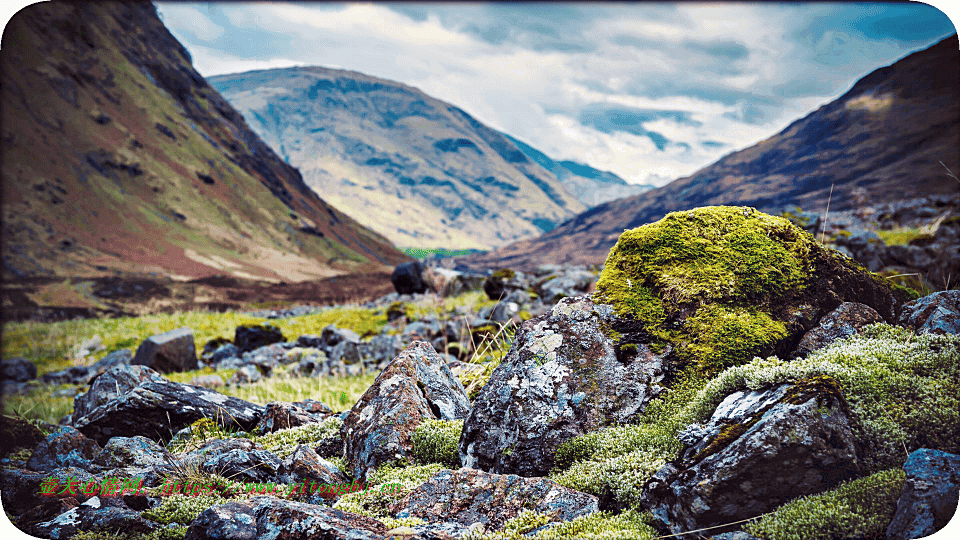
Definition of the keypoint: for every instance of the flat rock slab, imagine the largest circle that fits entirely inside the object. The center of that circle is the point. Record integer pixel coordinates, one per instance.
(468, 496)
(168, 352)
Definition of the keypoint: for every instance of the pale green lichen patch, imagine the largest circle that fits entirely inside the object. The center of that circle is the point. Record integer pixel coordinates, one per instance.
(283, 442)
(182, 509)
(435, 441)
(386, 485)
(708, 280)
(860, 508)
(628, 525)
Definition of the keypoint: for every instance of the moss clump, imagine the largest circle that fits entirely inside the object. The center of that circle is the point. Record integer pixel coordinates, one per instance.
(181, 509)
(504, 274)
(375, 501)
(283, 442)
(435, 441)
(857, 509)
(709, 280)
(629, 525)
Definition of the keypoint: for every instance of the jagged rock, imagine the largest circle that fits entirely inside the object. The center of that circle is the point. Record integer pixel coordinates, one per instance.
(270, 517)
(254, 465)
(568, 283)
(168, 352)
(416, 385)
(504, 281)
(407, 278)
(347, 352)
(22, 489)
(562, 377)
(92, 515)
(842, 322)
(468, 496)
(758, 451)
(248, 338)
(245, 374)
(930, 496)
(304, 464)
(937, 313)
(130, 452)
(48, 509)
(279, 415)
(110, 385)
(333, 336)
(17, 369)
(65, 447)
(154, 408)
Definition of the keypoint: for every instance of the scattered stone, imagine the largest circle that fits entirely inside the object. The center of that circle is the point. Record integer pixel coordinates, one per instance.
(562, 377)
(567, 283)
(130, 452)
(270, 517)
(245, 375)
(407, 278)
(65, 447)
(930, 496)
(111, 385)
(168, 352)
(256, 465)
(842, 322)
(504, 281)
(17, 369)
(468, 496)
(304, 464)
(333, 336)
(248, 338)
(758, 451)
(937, 313)
(207, 381)
(94, 514)
(446, 282)
(279, 415)
(310, 341)
(416, 385)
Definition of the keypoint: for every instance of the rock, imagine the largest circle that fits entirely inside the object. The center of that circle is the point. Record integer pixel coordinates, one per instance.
(310, 341)
(49, 508)
(468, 496)
(735, 535)
(504, 281)
(110, 385)
(504, 311)
(383, 348)
(568, 283)
(248, 338)
(17, 369)
(119, 357)
(65, 447)
(221, 353)
(842, 322)
(416, 385)
(562, 377)
(18, 433)
(255, 465)
(130, 452)
(155, 409)
(447, 282)
(22, 489)
(311, 363)
(207, 381)
(333, 336)
(937, 313)
(168, 352)
(424, 330)
(911, 256)
(245, 375)
(94, 514)
(407, 278)
(347, 352)
(304, 464)
(930, 496)
(280, 415)
(84, 374)
(758, 451)
(270, 517)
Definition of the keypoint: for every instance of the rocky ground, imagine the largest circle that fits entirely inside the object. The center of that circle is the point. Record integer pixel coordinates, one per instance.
(722, 372)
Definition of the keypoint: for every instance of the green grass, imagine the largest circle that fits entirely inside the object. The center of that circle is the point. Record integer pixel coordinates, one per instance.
(900, 236)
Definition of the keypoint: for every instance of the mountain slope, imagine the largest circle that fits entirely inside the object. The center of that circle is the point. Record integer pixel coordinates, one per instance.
(589, 185)
(886, 136)
(413, 168)
(119, 157)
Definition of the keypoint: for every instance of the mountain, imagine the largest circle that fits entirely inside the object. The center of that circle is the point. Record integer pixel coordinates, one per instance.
(119, 158)
(417, 170)
(589, 185)
(882, 141)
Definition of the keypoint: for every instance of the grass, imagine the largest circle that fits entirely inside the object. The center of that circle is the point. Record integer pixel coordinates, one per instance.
(900, 236)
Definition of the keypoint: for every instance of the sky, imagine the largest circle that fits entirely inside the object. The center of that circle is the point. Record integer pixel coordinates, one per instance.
(649, 91)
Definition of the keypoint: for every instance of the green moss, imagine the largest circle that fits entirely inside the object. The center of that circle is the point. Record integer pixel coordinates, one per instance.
(181, 509)
(860, 508)
(900, 236)
(283, 442)
(375, 501)
(504, 274)
(436, 441)
(729, 267)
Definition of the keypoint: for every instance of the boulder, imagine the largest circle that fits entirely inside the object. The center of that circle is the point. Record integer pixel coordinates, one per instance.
(842, 322)
(21, 489)
(138, 452)
(253, 465)
(221, 353)
(309, 341)
(331, 336)
(168, 352)
(759, 450)
(245, 375)
(154, 408)
(17, 369)
(504, 281)
(930, 496)
(248, 338)
(111, 385)
(416, 385)
(468, 496)
(563, 376)
(305, 465)
(94, 514)
(568, 283)
(937, 313)
(85, 374)
(279, 415)
(65, 447)
(407, 278)
(446, 282)
(270, 517)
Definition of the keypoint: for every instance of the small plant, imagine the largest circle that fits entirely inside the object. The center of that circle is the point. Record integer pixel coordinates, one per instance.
(435, 441)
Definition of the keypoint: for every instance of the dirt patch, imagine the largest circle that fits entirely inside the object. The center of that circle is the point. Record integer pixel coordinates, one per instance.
(30, 299)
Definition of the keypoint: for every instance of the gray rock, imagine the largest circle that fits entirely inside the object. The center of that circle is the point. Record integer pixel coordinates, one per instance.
(567, 283)
(421, 331)
(255, 465)
(347, 352)
(270, 517)
(92, 515)
(265, 358)
(842, 322)
(735, 535)
(168, 352)
(21, 489)
(930, 496)
(468, 496)
(333, 336)
(245, 375)
(310, 341)
(407, 278)
(207, 381)
(758, 451)
(154, 408)
(504, 311)
(248, 338)
(502, 282)
(937, 313)
(130, 452)
(416, 385)
(65, 447)
(305, 465)
(383, 348)
(561, 378)
(446, 282)
(17, 369)
(279, 415)
(221, 353)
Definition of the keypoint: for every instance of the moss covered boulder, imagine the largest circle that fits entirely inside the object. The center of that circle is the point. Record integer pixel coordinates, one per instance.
(724, 284)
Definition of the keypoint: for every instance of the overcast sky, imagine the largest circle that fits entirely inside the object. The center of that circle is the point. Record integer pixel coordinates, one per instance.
(649, 91)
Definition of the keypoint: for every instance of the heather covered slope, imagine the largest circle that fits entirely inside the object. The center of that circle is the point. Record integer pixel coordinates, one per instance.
(119, 157)
(417, 170)
(880, 142)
